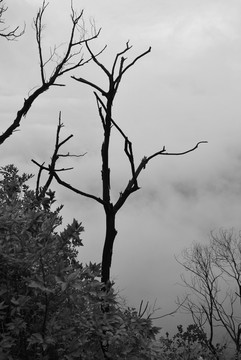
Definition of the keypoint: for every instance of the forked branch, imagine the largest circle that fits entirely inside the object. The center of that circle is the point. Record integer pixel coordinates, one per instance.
(52, 170)
(114, 80)
(132, 185)
(63, 65)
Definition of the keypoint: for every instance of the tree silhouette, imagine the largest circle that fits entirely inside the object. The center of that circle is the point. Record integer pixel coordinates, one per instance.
(214, 285)
(105, 101)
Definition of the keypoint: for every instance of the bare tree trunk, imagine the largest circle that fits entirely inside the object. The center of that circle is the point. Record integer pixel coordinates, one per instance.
(110, 235)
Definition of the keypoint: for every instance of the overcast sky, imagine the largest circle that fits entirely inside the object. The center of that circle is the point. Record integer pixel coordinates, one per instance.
(186, 90)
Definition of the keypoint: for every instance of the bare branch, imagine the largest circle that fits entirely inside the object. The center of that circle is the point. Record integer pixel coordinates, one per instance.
(84, 41)
(77, 191)
(141, 312)
(47, 168)
(84, 81)
(163, 151)
(5, 32)
(38, 32)
(37, 191)
(128, 152)
(71, 155)
(100, 105)
(123, 70)
(51, 168)
(117, 57)
(132, 184)
(63, 66)
(171, 313)
(70, 187)
(12, 34)
(93, 56)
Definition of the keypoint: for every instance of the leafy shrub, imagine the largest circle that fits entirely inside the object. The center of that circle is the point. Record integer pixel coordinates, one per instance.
(51, 306)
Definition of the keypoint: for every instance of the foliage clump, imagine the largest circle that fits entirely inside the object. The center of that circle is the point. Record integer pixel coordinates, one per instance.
(51, 306)
(189, 344)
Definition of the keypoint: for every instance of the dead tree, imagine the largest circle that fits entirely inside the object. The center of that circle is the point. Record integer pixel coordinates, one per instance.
(105, 101)
(214, 285)
(203, 284)
(71, 59)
